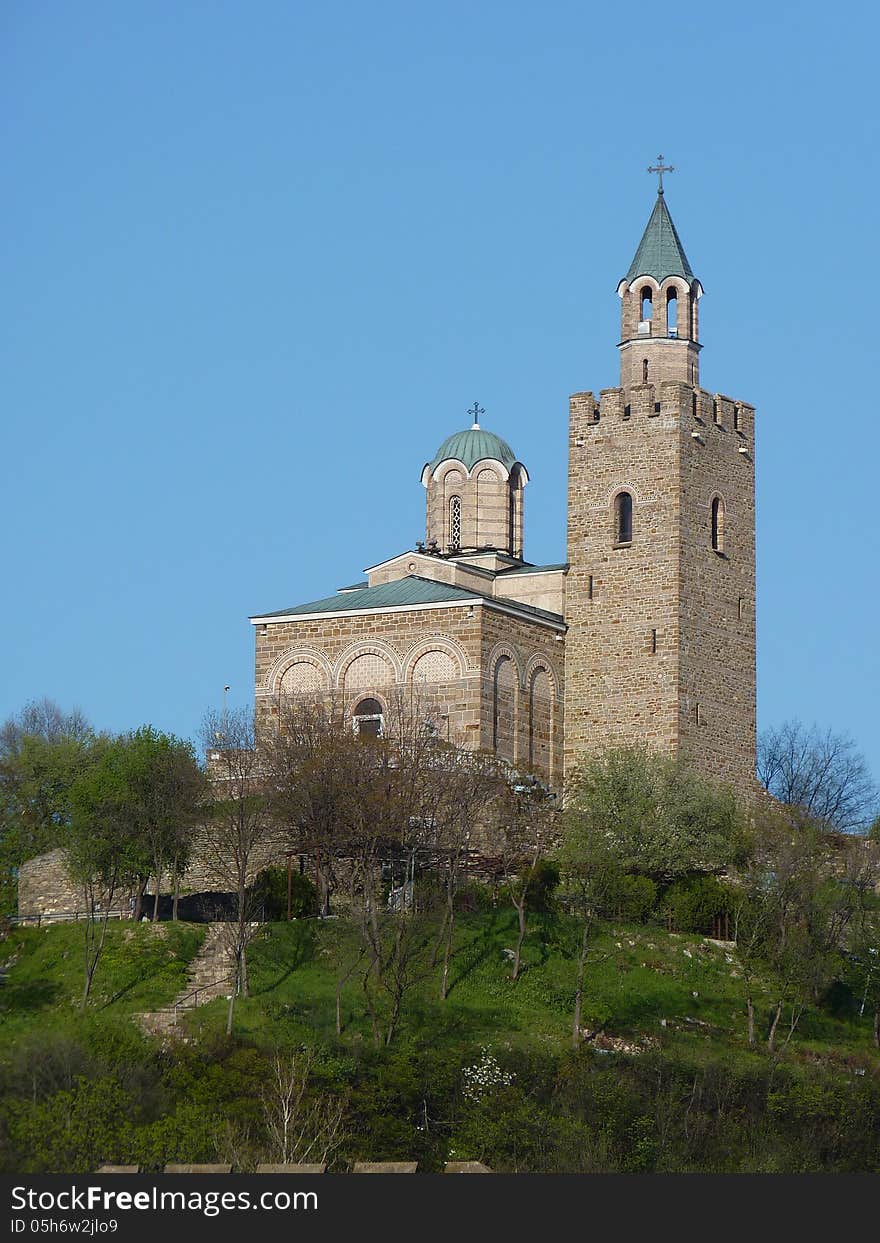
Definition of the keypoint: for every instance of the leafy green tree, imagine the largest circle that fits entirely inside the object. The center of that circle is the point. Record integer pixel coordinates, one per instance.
(42, 751)
(165, 787)
(104, 853)
(656, 815)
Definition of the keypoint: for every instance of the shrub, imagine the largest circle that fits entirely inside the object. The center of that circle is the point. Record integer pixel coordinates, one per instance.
(635, 898)
(542, 886)
(693, 904)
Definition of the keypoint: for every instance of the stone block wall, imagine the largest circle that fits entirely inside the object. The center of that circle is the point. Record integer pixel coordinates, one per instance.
(661, 642)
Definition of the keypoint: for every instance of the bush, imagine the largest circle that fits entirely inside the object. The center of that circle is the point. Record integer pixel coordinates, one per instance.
(692, 905)
(271, 888)
(634, 898)
(542, 886)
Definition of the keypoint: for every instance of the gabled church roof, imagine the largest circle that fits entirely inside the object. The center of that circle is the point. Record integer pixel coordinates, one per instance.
(660, 253)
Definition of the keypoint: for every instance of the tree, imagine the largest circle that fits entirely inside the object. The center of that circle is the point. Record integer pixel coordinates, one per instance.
(802, 891)
(659, 817)
(470, 786)
(864, 965)
(237, 827)
(593, 874)
(527, 822)
(165, 788)
(104, 851)
(823, 773)
(42, 751)
(303, 1125)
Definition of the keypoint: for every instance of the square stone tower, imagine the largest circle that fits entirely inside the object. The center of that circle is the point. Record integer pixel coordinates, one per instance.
(660, 599)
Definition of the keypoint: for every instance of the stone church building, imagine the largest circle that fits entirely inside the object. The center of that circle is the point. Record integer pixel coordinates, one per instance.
(645, 633)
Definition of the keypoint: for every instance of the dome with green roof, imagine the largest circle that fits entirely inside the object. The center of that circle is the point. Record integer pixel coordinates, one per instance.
(472, 446)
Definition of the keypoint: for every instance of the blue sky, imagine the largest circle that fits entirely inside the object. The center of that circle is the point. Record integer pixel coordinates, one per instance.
(258, 259)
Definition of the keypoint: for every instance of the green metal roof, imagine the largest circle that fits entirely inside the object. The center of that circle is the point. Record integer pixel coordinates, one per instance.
(471, 446)
(403, 591)
(660, 253)
(409, 590)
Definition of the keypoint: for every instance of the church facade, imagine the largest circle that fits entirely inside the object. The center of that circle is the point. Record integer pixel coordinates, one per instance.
(645, 634)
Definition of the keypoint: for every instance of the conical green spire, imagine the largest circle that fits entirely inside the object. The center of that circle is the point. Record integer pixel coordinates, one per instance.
(660, 253)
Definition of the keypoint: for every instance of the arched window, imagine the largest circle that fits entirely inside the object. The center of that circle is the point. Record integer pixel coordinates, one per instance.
(644, 371)
(623, 518)
(455, 522)
(646, 303)
(672, 312)
(718, 524)
(368, 718)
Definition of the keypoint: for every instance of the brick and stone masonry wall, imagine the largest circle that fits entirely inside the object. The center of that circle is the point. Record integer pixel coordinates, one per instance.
(398, 643)
(665, 625)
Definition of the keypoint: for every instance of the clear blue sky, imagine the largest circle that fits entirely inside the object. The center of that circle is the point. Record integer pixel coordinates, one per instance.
(258, 259)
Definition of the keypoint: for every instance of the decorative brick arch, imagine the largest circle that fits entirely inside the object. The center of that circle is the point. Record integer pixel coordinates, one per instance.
(298, 656)
(451, 473)
(540, 716)
(505, 649)
(539, 661)
(611, 497)
(505, 702)
(489, 466)
(434, 643)
(374, 647)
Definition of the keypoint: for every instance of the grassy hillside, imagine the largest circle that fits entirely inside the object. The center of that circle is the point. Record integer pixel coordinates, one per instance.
(142, 967)
(669, 1083)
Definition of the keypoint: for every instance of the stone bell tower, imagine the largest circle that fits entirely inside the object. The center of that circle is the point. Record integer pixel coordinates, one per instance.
(660, 598)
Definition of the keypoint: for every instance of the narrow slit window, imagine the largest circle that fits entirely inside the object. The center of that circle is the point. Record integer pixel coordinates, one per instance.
(623, 518)
(653, 642)
(644, 371)
(718, 524)
(590, 587)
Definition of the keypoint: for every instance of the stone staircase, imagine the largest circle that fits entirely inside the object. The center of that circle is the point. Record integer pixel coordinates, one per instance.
(210, 976)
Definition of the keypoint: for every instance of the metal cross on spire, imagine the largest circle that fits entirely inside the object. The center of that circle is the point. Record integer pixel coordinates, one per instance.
(660, 168)
(476, 412)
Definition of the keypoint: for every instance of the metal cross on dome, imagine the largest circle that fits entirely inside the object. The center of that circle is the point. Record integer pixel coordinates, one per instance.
(476, 412)
(660, 168)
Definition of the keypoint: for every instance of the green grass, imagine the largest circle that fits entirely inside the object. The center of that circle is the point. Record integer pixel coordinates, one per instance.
(637, 977)
(143, 967)
(676, 999)
(643, 984)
